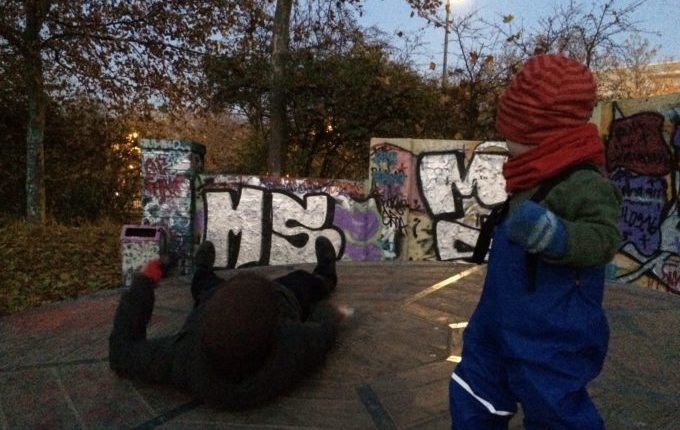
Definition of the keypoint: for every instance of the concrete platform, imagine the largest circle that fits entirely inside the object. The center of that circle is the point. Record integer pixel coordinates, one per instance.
(388, 371)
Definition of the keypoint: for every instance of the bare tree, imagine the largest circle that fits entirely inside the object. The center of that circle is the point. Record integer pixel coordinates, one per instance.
(590, 34)
(631, 75)
(479, 73)
(482, 67)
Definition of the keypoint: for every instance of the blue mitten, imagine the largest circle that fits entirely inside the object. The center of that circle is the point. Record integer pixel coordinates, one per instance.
(537, 229)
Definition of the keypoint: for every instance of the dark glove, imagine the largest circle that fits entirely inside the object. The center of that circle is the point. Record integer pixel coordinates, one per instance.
(537, 230)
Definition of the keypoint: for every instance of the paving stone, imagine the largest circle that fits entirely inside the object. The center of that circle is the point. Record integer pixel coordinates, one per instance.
(37, 399)
(439, 422)
(103, 400)
(290, 412)
(161, 398)
(417, 396)
(388, 369)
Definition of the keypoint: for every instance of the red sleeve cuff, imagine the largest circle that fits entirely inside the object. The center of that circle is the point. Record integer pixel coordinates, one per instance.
(153, 270)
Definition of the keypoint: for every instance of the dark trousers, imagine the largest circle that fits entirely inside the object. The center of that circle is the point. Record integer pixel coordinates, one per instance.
(308, 288)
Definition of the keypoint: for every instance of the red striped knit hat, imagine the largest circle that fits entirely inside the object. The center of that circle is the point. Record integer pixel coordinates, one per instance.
(548, 105)
(551, 93)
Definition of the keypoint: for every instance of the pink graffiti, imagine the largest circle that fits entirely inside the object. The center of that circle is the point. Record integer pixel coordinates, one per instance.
(637, 144)
(159, 182)
(671, 276)
(156, 166)
(393, 174)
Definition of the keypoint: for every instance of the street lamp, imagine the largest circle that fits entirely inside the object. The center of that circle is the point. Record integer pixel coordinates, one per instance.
(446, 42)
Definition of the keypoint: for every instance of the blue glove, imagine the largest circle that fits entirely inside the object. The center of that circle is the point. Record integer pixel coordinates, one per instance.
(537, 230)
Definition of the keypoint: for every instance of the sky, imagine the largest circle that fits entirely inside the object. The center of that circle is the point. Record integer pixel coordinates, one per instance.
(391, 16)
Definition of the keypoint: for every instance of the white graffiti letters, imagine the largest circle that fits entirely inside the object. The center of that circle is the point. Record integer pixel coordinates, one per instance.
(232, 216)
(259, 226)
(296, 225)
(453, 191)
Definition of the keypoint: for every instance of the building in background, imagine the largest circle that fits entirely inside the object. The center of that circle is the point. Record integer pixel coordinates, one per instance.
(639, 81)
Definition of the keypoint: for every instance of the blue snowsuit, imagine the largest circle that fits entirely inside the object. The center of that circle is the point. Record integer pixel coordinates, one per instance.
(536, 337)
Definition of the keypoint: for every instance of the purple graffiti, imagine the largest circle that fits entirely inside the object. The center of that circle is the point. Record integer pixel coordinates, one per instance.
(644, 199)
(363, 252)
(675, 141)
(360, 225)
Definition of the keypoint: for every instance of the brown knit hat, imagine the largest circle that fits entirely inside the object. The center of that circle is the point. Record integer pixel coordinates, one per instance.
(239, 324)
(550, 95)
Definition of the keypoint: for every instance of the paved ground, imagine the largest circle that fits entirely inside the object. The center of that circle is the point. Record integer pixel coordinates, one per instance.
(389, 370)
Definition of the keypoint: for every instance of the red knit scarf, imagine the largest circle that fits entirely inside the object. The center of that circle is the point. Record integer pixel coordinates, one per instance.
(558, 151)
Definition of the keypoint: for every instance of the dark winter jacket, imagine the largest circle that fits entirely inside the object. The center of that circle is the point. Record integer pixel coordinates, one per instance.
(180, 359)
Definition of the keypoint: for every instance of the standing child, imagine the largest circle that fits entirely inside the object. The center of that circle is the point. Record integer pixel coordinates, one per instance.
(539, 334)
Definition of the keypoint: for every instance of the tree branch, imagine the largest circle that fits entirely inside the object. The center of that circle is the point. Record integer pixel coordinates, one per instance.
(12, 36)
(120, 40)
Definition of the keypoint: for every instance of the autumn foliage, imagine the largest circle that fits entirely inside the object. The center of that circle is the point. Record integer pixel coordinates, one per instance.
(42, 264)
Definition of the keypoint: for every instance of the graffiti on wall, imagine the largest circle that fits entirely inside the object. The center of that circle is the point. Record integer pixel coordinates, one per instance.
(360, 223)
(642, 160)
(163, 182)
(261, 221)
(432, 202)
(168, 170)
(421, 206)
(258, 226)
(458, 194)
(424, 200)
(391, 183)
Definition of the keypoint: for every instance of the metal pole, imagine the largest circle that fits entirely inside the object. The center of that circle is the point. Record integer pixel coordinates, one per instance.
(446, 43)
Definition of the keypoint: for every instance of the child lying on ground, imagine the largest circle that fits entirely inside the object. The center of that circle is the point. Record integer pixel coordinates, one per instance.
(247, 339)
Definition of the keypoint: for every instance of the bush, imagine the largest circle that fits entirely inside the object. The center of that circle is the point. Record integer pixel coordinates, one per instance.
(53, 262)
(91, 162)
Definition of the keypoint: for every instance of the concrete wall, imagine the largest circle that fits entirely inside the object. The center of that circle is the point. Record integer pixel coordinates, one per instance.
(643, 143)
(433, 195)
(254, 220)
(169, 168)
(424, 199)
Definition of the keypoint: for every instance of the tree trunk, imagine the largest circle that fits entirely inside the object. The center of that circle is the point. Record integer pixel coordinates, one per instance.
(37, 102)
(35, 157)
(279, 135)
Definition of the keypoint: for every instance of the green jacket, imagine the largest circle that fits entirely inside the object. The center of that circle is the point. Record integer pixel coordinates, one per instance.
(588, 204)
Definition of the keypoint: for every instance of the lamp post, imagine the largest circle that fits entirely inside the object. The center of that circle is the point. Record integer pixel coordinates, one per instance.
(446, 42)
